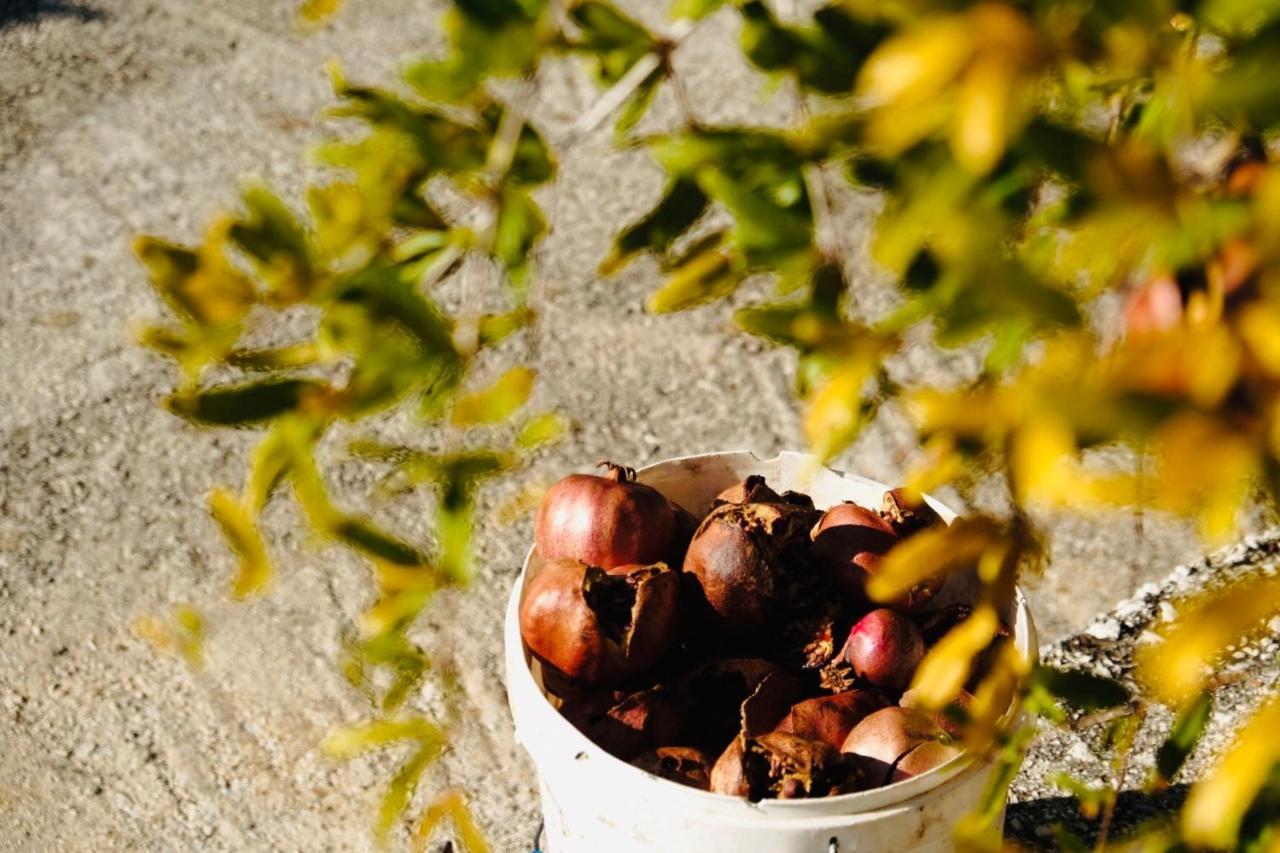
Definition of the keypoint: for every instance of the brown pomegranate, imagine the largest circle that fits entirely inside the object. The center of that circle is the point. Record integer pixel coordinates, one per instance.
(884, 649)
(754, 489)
(739, 558)
(599, 627)
(638, 723)
(608, 520)
(883, 742)
(830, 718)
(781, 766)
(729, 697)
(907, 512)
(849, 543)
(948, 718)
(683, 765)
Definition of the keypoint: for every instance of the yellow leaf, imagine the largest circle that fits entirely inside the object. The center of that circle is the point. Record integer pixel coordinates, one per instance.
(451, 805)
(200, 284)
(939, 463)
(353, 740)
(497, 402)
(1216, 805)
(541, 430)
(1205, 627)
(916, 65)
(1260, 329)
(182, 635)
(245, 540)
(1043, 455)
(1206, 470)
(704, 278)
(937, 550)
(318, 11)
(981, 122)
(893, 129)
(834, 413)
(994, 696)
(945, 669)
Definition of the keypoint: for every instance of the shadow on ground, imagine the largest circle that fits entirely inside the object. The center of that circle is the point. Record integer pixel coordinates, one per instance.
(1034, 824)
(15, 12)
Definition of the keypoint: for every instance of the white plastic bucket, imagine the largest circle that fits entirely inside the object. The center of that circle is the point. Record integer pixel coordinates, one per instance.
(595, 803)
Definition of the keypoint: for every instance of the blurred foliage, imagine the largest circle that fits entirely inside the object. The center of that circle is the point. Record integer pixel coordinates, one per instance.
(1038, 162)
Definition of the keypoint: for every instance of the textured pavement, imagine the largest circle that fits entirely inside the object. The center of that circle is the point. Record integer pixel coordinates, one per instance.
(121, 116)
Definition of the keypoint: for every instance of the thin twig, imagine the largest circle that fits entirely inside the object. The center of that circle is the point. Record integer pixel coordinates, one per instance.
(681, 93)
(614, 96)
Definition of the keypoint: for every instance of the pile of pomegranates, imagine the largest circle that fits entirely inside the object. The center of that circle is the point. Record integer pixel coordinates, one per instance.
(738, 654)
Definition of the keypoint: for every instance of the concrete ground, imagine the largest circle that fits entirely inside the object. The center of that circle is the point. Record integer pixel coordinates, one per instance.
(127, 116)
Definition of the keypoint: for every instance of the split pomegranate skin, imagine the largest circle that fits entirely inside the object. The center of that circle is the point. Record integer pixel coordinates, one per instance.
(738, 652)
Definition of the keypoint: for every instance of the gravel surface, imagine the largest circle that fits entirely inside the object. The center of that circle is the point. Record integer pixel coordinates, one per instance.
(127, 116)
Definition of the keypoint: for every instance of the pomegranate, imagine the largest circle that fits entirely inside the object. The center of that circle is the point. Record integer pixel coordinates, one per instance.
(884, 649)
(608, 520)
(830, 718)
(599, 627)
(631, 724)
(751, 490)
(1153, 307)
(849, 541)
(782, 766)
(947, 719)
(683, 765)
(739, 557)
(907, 512)
(885, 742)
(808, 626)
(730, 697)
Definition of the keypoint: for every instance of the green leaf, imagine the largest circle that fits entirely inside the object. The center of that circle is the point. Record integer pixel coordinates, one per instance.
(696, 10)
(402, 787)
(273, 358)
(351, 741)
(758, 175)
(271, 235)
(441, 143)
(365, 536)
(611, 40)
(193, 347)
(456, 477)
(1237, 17)
(500, 13)
(681, 206)
(1092, 799)
(769, 235)
(497, 402)
(1247, 87)
(488, 38)
(704, 276)
(519, 226)
(825, 57)
(242, 405)
(270, 465)
(243, 536)
(400, 341)
(494, 328)
(1079, 689)
(1184, 736)
(638, 103)
(533, 163)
